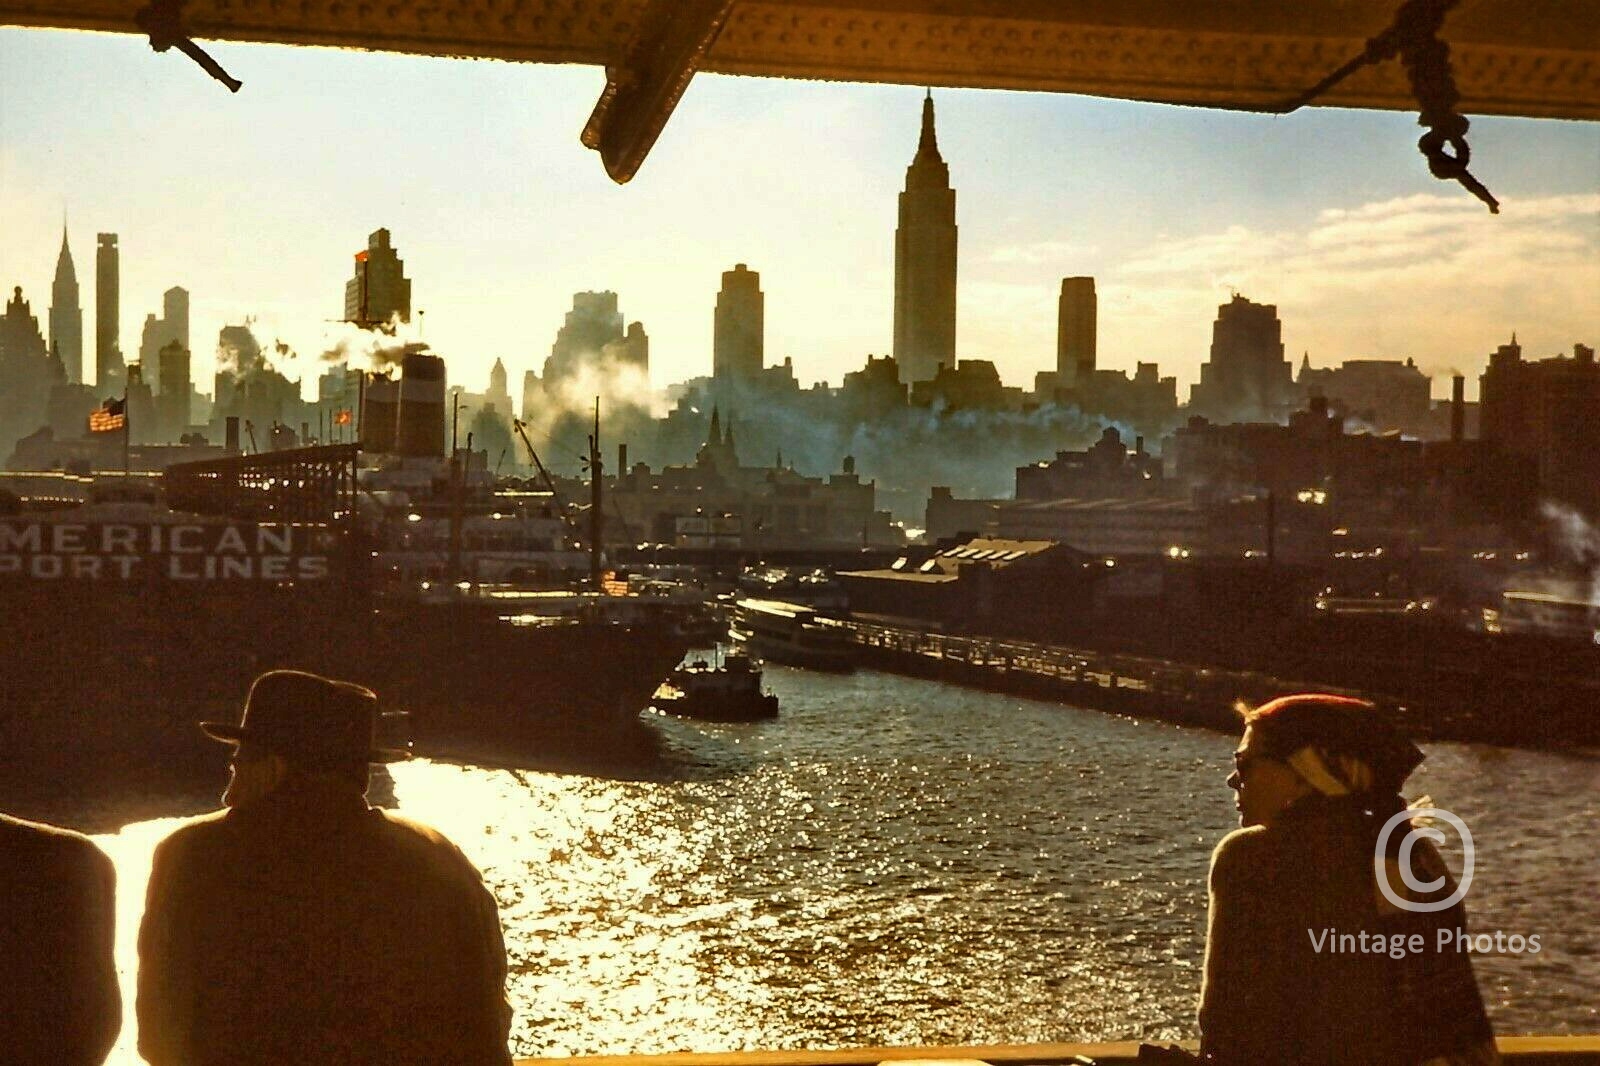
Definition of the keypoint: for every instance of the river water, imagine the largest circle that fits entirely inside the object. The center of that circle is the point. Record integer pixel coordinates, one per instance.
(898, 861)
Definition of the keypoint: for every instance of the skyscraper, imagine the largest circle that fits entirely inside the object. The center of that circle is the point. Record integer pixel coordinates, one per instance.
(108, 368)
(1247, 379)
(380, 290)
(66, 315)
(1075, 332)
(172, 402)
(592, 337)
(925, 262)
(173, 325)
(738, 339)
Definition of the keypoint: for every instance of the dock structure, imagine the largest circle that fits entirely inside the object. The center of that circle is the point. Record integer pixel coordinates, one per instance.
(1110, 681)
(1514, 1051)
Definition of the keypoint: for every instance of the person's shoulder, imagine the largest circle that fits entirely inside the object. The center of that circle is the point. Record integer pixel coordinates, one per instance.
(194, 834)
(65, 845)
(1241, 852)
(422, 840)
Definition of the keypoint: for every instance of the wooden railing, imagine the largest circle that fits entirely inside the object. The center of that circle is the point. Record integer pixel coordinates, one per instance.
(1517, 1050)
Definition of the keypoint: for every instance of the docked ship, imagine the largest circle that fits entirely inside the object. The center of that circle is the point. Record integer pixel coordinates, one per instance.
(155, 603)
(791, 633)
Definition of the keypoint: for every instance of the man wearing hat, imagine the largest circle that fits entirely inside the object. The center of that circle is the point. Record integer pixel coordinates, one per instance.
(301, 925)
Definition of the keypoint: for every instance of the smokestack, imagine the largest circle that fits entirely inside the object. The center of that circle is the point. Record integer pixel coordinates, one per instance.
(622, 458)
(305, 433)
(422, 389)
(230, 433)
(1458, 408)
(380, 409)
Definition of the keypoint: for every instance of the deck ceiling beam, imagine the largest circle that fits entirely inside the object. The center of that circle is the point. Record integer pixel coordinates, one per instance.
(1539, 60)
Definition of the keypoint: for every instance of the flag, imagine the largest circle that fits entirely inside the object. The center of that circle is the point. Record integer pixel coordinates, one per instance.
(612, 585)
(341, 417)
(109, 417)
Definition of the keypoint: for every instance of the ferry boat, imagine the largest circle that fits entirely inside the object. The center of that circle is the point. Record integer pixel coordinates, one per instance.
(727, 692)
(793, 634)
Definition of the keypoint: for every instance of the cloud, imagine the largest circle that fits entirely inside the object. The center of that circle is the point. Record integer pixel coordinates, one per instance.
(1042, 252)
(1433, 277)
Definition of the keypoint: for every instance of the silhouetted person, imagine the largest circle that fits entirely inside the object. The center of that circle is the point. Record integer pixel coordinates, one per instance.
(59, 1002)
(1317, 777)
(301, 925)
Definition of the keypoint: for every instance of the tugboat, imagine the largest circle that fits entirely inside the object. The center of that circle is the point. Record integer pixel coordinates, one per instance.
(730, 692)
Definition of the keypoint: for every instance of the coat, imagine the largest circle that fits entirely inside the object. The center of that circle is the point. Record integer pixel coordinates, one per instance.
(1278, 986)
(60, 1003)
(309, 927)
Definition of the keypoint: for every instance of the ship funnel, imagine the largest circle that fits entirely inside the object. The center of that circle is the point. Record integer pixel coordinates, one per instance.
(422, 389)
(1458, 407)
(380, 409)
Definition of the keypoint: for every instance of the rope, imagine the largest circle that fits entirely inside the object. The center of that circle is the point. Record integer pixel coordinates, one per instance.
(162, 20)
(1414, 38)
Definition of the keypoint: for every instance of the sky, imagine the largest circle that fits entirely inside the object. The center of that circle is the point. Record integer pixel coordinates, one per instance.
(256, 203)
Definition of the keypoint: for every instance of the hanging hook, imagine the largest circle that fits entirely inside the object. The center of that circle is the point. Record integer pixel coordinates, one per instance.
(162, 20)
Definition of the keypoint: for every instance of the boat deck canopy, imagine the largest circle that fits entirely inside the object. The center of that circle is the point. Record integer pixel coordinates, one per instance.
(1535, 60)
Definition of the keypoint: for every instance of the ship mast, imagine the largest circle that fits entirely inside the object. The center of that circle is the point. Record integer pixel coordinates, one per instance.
(595, 515)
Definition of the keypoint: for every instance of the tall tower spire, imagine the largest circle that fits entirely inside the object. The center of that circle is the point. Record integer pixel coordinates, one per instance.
(66, 315)
(925, 261)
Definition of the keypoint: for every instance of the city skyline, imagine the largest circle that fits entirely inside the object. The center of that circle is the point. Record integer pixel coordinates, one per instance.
(1348, 249)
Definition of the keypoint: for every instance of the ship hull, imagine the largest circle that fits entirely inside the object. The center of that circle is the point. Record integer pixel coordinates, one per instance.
(101, 688)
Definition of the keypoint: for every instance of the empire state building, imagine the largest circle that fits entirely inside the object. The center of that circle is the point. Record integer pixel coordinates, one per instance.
(925, 262)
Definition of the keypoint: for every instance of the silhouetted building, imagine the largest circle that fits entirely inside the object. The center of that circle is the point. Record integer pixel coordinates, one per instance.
(969, 385)
(172, 326)
(1549, 412)
(987, 585)
(1246, 379)
(1107, 468)
(1076, 331)
(141, 408)
(66, 314)
(27, 371)
(768, 507)
(1146, 401)
(251, 390)
(499, 394)
(20, 339)
(107, 310)
(172, 401)
(1382, 394)
(592, 337)
(874, 392)
(380, 291)
(946, 516)
(738, 344)
(925, 262)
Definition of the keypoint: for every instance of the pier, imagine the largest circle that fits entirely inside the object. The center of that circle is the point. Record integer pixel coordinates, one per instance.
(1142, 686)
(1567, 1050)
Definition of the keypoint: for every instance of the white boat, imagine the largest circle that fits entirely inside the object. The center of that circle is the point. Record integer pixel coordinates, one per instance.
(793, 634)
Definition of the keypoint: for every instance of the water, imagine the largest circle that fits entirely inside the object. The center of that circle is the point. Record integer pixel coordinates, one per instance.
(896, 861)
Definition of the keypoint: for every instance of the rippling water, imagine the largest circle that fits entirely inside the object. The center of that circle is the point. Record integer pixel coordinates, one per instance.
(896, 861)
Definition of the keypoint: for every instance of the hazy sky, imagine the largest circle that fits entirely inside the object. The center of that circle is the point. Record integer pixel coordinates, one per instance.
(257, 202)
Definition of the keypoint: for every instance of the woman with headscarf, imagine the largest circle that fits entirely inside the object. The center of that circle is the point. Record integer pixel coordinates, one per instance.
(1317, 778)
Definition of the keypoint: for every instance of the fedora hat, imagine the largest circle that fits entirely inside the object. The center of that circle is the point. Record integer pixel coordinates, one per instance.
(309, 720)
